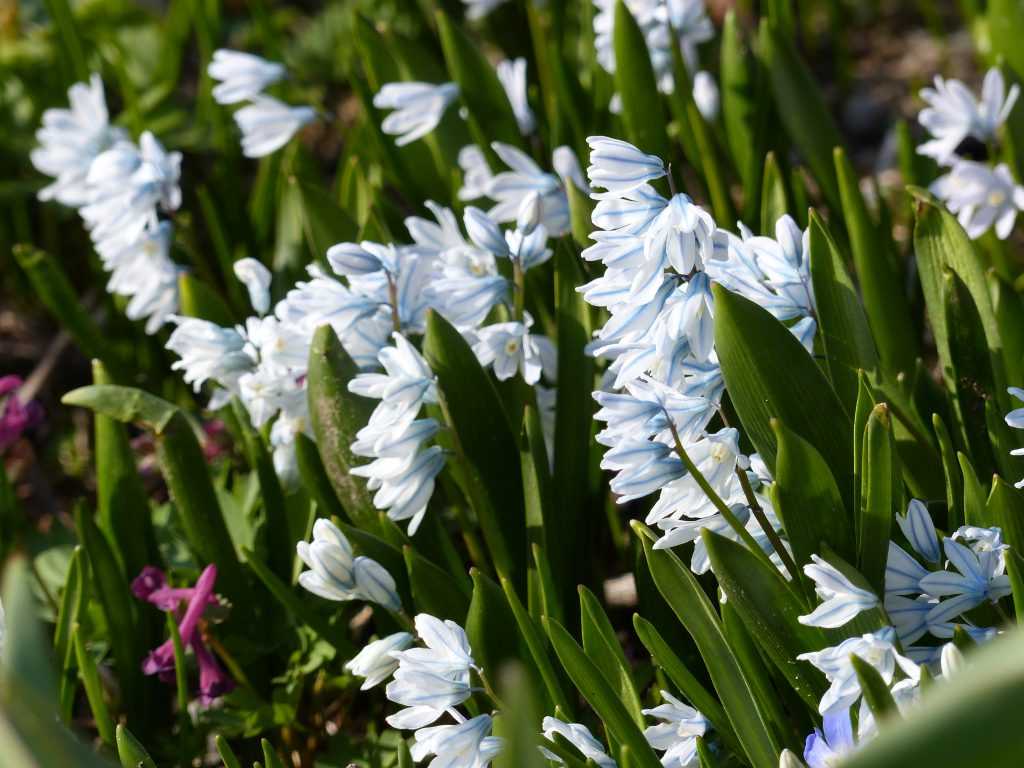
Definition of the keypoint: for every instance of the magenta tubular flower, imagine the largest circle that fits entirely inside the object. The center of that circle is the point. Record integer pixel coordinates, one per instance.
(151, 585)
(15, 416)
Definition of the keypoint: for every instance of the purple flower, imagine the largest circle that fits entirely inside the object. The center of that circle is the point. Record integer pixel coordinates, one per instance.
(821, 750)
(151, 586)
(15, 416)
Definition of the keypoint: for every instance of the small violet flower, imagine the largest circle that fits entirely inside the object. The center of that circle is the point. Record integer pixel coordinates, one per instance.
(15, 416)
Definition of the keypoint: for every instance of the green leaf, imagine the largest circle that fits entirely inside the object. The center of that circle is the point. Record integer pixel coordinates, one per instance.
(878, 498)
(118, 606)
(943, 731)
(537, 646)
(694, 610)
(591, 683)
(642, 111)
(769, 610)
(270, 758)
(739, 102)
(63, 19)
(479, 86)
(692, 689)
(603, 648)
(581, 207)
(885, 303)
(122, 506)
(876, 692)
(951, 470)
(940, 243)
(434, 591)
(518, 723)
(801, 108)
(769, 374)
(314, 478)
(807, 500)
(324, 222)
(336, 416)
(774, 200)
(486, 448)
(71, 604)
(197, 299)
(975, 512)
(93, 689)
(130, 751)
(54, 289)
(489, 624)
(843, 326)
(1006, 510)
(226, 753)
(533, 459)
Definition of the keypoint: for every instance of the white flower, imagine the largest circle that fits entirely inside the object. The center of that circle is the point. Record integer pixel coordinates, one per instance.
(677, 736)
(405, 386)
(509, 347)
(418, 107)
(476, 173)
(209, 352)
(705, 95)
(876, 649)
(268, 124)
(952, 660)
(512, 74)
(69, 140)
(256, 279)
(509, 188)
(431, 679)
(980, 576)
(842, 600)
(619, 167)
(484, 231)
(919, 530)
(335, 575)
(567, 166)
(580, 737)
(1015, 419)
(953, 114)
(142, 270)
(981, 197)
(241, 75)
(478, 9)
(375, 662)
(463, 745)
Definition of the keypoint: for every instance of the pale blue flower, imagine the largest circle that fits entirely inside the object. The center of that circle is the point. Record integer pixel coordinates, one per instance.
(903, 573)
(418, 108)
(512, 75)
(580, 737)
(825, 748)
(919, 530)
(375, 662)
(619, 167)
(676, 736)
(241, 76)
(484, 231)
(467, 744)
(979, 578)
(335, 574)
(268, 124)
(842, 599)
(705, 95)
(256, 279)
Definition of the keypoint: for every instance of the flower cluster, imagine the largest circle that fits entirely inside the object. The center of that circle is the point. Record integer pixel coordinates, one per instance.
(119, 188)
(335, 573)
(661, 257)
(982, 196)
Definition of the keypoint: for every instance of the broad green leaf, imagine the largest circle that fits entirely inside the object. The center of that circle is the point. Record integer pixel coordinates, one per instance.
(537, 646)
(885, 303)
(807, 500)
(336, 416)
(642, 110)
(769, 375)
(533, 459)
(692, 689)
(324, 222)
(943, 732)
(315, 480)
(119, 608)
(876, 692)
(125, 404)
(550, 601)
(842, 325)
(68, 32)
(769, 610)
(1006, 510)
(122, 506)
(705, 756)
(975, 512)
(774, 200)
(226, 753)
(489, 625)
(591, 683)
(801, 108)
(54, 289)
(879, 496)
(940, 243)
(1008, 307)
(270, 758)
(603, 648)
(130, 751)
(739, 103)
(93, 689)
(573, 422)
(479, 86)
(695, 611)
(581, 207)
(486, 448)
(434, 591)
(951, 471)
(518, 722)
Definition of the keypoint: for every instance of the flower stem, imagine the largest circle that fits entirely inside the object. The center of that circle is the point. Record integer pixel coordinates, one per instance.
(396, 322)
(489, 690)
(767, 527)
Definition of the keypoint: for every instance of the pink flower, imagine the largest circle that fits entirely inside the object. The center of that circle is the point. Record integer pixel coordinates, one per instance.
(15, 416)
(151, 585)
